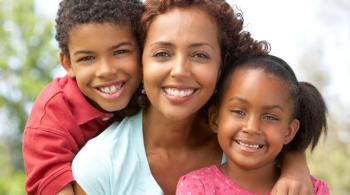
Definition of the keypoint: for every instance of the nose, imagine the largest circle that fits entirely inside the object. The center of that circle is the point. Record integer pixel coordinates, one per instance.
(105, 67)
(181, 67)
(252, 126)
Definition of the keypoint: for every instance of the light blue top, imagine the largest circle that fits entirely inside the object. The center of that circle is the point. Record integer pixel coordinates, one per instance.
(115, 162)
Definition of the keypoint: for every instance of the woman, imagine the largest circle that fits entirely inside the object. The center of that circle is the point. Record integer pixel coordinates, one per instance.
(186, 44)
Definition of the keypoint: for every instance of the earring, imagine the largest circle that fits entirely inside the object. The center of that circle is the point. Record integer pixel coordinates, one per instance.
(142, 88)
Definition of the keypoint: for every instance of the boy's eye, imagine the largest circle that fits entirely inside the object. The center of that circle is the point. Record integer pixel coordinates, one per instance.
(120, 52)
(85, 59)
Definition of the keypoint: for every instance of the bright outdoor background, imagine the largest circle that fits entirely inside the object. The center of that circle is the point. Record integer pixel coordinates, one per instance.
(313, 36)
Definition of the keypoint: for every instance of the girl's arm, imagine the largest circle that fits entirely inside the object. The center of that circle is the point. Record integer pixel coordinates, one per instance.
(295, 176)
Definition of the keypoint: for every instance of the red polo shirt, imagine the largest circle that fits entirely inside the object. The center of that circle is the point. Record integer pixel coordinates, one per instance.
(59, 125)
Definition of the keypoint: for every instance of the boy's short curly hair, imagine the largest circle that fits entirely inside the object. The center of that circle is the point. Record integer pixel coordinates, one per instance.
(72, 13)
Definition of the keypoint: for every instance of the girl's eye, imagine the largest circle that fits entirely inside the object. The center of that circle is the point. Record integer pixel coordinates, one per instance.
(270, 118)
(238, 113)
(86, 59)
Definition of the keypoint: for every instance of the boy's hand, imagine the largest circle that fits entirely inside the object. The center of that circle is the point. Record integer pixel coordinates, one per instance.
(66, 190)
(295, 177)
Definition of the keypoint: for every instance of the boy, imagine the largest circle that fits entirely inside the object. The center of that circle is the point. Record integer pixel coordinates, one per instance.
(99, 51)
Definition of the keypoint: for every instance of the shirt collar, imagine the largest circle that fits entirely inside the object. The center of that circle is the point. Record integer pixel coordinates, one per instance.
(81, 108)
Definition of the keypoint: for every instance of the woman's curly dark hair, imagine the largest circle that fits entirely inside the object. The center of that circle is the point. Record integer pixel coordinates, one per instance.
(234, 41)
(72, 13)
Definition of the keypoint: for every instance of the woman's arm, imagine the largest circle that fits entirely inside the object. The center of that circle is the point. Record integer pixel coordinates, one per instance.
(295, 176)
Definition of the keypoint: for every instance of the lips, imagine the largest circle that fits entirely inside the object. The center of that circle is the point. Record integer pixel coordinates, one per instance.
(249, 145)
(176, 92)
(111, 89)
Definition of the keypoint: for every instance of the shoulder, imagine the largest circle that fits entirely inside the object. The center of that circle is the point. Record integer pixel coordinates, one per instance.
(51, 105)
(320, 187)
(197, 181)
(105, 158)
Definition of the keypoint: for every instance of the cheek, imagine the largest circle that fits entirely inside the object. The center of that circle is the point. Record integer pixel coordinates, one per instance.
(208, 76)
(227, 125)
(84, 73)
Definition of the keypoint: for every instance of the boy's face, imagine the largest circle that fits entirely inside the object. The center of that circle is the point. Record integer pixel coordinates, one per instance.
(254, 120)
(104, 59)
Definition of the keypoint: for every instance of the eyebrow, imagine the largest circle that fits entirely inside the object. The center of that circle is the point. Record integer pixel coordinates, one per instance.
(270, 107)
(169, 44)
(111, 48)
(267, 107)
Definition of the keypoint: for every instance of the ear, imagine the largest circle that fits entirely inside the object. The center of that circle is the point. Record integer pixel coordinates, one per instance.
(213, 118)
(292, 130)
(66, 63)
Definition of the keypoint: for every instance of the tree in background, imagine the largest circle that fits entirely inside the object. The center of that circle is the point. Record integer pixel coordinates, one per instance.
(27, 58)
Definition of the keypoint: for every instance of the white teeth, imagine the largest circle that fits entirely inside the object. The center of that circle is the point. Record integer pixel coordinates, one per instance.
(255, 146)
(110, 89)
(179, 92)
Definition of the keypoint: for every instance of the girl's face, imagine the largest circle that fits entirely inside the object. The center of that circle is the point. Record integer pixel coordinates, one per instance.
(254, 119)
(181, 61)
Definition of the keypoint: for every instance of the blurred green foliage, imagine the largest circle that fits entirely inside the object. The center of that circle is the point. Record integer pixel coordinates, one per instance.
(329, 162)
(27, 58)
(11, 179)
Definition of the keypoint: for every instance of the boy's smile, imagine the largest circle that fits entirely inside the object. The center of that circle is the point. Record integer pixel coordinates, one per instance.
(104, 59)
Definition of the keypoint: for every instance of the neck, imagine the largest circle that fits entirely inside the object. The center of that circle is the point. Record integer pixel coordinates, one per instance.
(259, 180)
(162, 132)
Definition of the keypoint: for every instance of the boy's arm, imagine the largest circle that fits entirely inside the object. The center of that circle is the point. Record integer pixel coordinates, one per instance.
(78, 190)
(295, 176)
(66, 190)
(47, 158)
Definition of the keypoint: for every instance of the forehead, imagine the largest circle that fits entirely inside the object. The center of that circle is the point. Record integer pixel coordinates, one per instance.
(183, 25)
(95, 34)
(257, 85)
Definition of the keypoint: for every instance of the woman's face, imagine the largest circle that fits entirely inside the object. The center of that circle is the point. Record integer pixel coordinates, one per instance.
(181, 61)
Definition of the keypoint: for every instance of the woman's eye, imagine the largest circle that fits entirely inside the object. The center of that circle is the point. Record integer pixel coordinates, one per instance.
(201, 55)
(161, 54)
(85, 59)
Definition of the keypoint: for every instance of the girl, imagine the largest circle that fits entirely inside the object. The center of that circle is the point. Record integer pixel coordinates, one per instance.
(262, 111)
(186, 44)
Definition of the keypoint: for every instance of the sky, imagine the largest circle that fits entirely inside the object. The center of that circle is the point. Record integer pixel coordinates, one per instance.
(315, 29)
